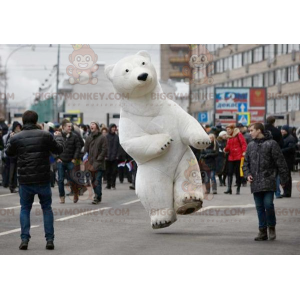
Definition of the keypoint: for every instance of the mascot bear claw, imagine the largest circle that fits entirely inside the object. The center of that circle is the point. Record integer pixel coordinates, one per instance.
(157, 133)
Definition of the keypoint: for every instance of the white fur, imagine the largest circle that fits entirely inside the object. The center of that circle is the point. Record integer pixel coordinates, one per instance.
(157, 133)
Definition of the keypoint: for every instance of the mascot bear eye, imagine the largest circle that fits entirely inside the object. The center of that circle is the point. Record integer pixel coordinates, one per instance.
(143, 63)
(127, 70)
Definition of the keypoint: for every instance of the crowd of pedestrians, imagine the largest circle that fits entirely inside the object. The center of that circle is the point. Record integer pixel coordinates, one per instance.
(36, 157)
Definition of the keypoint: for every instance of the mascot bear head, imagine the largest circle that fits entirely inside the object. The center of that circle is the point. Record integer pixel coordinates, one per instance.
(134, 76)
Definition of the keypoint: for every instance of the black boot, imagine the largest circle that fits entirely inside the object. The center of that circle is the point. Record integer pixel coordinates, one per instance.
(229, 190)
(272, 233)
(24, 245)
(262, 235)
(50, 245)
(238, 190)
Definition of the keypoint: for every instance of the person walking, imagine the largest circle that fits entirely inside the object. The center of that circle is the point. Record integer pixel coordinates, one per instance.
(263, 161)
(96, 149)
(12, 161)
(221, 161)
(32, 147)
(288, 150)
(112, 157)
(66, 160)
(236, 147)
(208, 159)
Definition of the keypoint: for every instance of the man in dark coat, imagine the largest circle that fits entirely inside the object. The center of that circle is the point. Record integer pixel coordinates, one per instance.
(66, 160)
(12, 161)
(263, 161)
(288, 150)
(112, 157)
(276, 134)
(277, 137)
(32, 147)
(96, 149)
(3, 126)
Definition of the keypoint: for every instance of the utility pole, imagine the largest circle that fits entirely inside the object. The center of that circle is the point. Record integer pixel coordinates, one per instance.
(190, 81)
(57, 83)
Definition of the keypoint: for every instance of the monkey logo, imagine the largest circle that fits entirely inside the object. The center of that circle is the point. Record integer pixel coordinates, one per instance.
(199, 70)
(193, 181)
(83, 60)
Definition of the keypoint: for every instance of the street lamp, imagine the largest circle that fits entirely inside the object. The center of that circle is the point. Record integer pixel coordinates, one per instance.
(5, 78)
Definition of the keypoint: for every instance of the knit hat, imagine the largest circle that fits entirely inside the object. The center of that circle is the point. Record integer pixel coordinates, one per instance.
(97, 124)
(222, 133)
(286, 128)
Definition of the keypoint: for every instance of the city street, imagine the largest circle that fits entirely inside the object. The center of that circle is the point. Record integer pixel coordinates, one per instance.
(227, 224)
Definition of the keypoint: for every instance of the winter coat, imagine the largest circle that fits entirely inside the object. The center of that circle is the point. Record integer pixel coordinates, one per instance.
(32, 146)
(263, 161)
(4, 128)
(236, 146)
(72, 147)
(113, 145)
(209, 157)
(276, 134)
(96, 147)
(289, 150)
(221, 158)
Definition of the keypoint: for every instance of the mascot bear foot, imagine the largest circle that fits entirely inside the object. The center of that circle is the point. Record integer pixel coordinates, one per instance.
(161, 218)
(189, 206)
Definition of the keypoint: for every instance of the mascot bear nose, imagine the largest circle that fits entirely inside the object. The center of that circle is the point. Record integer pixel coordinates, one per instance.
(143, 77)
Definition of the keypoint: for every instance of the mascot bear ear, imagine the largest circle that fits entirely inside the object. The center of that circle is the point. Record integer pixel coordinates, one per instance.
(108, 71)
(145, 54)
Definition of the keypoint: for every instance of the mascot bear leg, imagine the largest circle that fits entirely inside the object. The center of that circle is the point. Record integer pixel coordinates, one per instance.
(188, 194)
(155, 190)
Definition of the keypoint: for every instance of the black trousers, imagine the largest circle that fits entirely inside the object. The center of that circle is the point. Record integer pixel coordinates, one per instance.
(111, 172)
(234, 168)
(288, 187)
(13, 175)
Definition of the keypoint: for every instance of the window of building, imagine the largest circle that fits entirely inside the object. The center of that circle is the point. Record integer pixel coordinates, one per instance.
(269, 51)
(258, 80)
(271, 79)
(219, 66)
(258, 54)
(280, 105)
(237, 60)
(293, 102)
(293, 73)
(247, 82)
(247, 57)
(228, 63)
(270, 106)
(266, 79)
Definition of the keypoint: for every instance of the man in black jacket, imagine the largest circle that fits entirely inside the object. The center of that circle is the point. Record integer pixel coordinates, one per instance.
(32, 147)
(288, 150)
(112, 157)
(66, 160)
(263, 161)
(277, 137)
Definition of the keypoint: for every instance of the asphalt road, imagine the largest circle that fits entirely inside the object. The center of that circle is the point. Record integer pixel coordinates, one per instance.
(227, 224)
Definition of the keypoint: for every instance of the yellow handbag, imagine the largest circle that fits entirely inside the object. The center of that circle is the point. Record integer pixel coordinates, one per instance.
(241, 167)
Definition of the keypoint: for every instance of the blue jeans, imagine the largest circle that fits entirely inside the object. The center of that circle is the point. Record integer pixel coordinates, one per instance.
(211, 176)
(97, 183)
(277, 193)
(62, 168)
(27, 193)
(264, 202)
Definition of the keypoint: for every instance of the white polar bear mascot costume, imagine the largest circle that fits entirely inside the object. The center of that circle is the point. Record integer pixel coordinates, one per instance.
(157, 134)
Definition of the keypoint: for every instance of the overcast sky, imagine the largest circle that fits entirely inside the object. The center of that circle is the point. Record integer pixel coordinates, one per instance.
(27, 70)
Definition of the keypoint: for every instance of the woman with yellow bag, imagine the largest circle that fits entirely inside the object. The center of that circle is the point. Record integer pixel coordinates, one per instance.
(236, 148)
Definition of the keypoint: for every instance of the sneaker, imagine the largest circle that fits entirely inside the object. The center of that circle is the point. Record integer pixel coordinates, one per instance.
(107, 188)
(132, 187)
(62, 199)
(96, 200)
(24, 245)
(50, 245)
